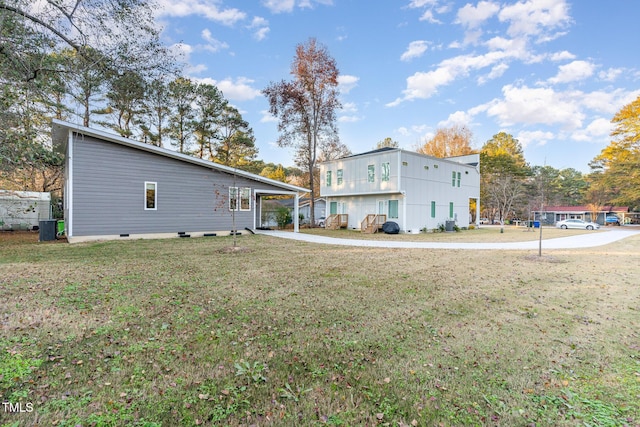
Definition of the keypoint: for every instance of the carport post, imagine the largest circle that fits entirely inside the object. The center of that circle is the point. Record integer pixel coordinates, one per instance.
(296, 215)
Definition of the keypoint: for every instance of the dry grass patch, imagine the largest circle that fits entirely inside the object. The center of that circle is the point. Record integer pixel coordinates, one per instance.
(177, 332)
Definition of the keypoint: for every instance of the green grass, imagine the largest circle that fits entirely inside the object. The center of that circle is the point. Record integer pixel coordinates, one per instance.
(180, 332)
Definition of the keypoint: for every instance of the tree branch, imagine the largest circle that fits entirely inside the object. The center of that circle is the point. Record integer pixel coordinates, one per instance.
(38, 21)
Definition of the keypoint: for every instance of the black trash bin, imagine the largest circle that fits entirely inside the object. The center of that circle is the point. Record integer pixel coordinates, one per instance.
(48, 230)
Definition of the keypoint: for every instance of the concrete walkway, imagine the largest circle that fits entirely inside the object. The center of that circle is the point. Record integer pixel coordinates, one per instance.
(586, 240)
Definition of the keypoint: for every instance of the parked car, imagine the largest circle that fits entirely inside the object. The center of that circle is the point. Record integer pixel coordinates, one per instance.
(483, 221)
(612, 220)
(320, 221)
(577, 223)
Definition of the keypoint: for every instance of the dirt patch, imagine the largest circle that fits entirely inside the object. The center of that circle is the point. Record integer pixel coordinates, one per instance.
(234, 250)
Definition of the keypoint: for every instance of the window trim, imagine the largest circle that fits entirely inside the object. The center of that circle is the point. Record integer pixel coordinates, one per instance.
(241, 194)
(371, 173)
(339, 177)
(155, 196)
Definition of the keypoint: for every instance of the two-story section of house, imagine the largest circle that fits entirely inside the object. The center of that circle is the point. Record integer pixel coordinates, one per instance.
(414, 190)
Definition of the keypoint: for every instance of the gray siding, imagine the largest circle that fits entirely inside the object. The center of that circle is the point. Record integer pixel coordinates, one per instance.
(109, 193)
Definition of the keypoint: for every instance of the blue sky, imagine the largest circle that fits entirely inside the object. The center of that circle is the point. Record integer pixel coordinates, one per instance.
(550, 72)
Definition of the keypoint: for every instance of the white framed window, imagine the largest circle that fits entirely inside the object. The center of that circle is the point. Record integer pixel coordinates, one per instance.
(328, 179)
(239, 199)
(339, 176)
(371, 173)
(386, 171)
(393, 209)
(150, 196)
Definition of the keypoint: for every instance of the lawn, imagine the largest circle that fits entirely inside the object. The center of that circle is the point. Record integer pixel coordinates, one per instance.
(184, 332)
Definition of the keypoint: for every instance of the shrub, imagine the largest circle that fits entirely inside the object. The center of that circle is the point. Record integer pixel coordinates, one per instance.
(283, 216)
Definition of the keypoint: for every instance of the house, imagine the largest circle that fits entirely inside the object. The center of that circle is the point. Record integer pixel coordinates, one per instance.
(23, 210)
(553, 214)
(115, 187)
(391, 184)
(319, 208)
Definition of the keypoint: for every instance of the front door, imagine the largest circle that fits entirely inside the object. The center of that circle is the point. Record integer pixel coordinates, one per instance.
(333, 208)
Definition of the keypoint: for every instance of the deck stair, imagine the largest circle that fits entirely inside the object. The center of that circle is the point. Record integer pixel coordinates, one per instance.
(372, 223)
(336, 221)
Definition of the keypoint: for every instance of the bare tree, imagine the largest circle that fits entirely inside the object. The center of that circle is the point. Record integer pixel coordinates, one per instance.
(306, 107)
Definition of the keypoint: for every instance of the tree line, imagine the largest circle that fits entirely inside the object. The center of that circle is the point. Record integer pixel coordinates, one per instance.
(102, 62)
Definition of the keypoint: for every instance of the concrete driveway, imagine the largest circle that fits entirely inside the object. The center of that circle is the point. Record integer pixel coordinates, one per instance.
(588, 240)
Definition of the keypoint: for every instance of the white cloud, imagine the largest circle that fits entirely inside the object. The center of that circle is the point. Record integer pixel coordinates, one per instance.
(207, 9)
(349, 119)
(538, 137)
(541, 18)
(287, 6)
(461, 118)
(429, 17)
(573, 71)
(496, 72)
(611, 74)
(415, 50)
(597, 129)
(260, 27)
(349, 107)
(347, 82)
(472, 17)
(422, 3)
(213, 45)
(531, 106)
(562, 56)
(279, 6)
(267, 117)
(238, 90)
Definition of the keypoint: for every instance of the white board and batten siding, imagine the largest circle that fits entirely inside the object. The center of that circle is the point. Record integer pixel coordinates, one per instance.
(423, 191)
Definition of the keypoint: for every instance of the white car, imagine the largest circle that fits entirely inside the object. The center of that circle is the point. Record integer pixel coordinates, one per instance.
(577, 223)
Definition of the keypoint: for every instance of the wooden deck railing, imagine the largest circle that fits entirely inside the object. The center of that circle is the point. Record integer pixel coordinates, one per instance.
(336, 221)
(372, 223)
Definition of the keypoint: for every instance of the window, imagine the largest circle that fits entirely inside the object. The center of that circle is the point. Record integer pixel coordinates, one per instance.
(433, 209)
(450, 209)
(458, 179)
(393, 209)
(385, 171)
(371, 173)
(150, 196)
(245, 199)
(243, 203)
(328, 178)
(453, 179)
(339, 176)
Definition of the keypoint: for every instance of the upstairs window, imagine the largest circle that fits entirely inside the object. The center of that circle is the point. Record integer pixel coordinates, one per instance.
(385, 171)
(459, 179)
(150, 196)
(339, 176)
(371, 173)
(328, 178)
(453, 179)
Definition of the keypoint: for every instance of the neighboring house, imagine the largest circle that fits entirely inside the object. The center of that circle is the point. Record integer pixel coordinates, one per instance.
(583, 212)
(319, 208)
(414, 190)
(116, 187)
(23, 210)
